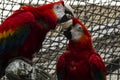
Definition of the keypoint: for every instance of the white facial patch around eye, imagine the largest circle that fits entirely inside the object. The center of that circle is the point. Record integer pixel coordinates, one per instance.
(76, 32)
(59, 10)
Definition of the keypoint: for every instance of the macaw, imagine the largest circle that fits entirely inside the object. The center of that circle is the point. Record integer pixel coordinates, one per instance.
(79, 61)
(22, 33)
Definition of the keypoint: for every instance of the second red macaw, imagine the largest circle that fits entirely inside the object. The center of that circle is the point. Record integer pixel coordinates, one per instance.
(79, 61)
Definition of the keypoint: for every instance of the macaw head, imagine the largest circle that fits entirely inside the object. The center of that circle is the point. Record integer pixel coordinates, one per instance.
(55, 13)
(77, 32)
(60, 11)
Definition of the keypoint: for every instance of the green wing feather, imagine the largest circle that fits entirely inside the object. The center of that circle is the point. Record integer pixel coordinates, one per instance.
(17, 38)
(14, 30)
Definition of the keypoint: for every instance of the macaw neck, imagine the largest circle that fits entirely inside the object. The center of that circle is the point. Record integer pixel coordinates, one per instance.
(79, 46)
(79, 51)
(48, 20)
(47, 16)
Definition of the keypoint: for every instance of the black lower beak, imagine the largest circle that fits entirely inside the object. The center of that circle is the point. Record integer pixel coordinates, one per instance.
(67, 34)
(64, 19)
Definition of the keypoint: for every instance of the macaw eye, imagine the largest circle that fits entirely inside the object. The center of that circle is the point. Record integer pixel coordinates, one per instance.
(79, 29)
(58, 7)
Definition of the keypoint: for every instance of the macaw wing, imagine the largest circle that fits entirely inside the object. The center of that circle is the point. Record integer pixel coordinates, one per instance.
(14, 30)
(10, 39)
(60, 67)
(97, 66)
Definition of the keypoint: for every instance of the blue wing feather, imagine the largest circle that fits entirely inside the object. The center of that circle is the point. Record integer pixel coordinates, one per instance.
(60, 76)
(20, 22)
(17, 39)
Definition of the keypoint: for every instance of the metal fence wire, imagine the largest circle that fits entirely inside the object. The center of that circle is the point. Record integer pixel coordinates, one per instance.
(102, 18)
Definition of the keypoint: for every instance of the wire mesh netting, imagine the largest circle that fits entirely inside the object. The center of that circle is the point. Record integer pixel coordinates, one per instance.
(102, 18)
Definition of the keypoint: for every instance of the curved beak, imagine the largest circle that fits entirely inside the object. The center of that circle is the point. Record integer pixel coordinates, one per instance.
(69, 14)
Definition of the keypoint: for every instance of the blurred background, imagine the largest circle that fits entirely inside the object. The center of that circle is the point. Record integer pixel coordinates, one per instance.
(102, 18)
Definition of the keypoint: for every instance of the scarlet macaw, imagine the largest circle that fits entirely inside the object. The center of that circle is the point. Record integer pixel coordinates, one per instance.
(79, 61)
(22, 33)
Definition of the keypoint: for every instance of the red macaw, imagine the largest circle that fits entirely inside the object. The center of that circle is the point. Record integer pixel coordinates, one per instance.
(22, 33)
(79, 61)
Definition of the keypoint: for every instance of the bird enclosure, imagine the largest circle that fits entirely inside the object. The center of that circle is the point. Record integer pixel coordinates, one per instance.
(101, 17)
